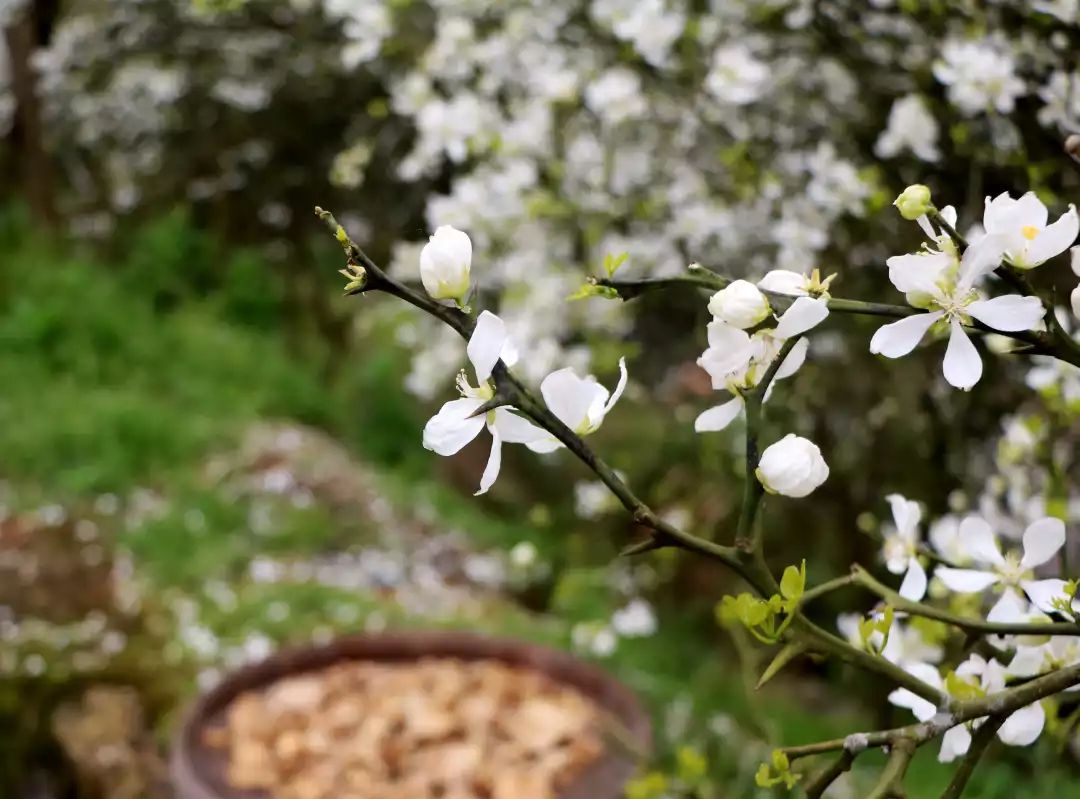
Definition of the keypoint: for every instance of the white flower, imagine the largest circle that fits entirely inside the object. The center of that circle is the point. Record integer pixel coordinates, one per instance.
(901, 547)
(581, 403)
(636, 620)
(740, 304)
(737, 77)
(792, 466)
(945, 287)
(445, 262)
(1042, 539)
(981, 76)
(455, 425)
(1031, 661)
(735, 360)
(785, 281)
(1027, 240)
(912, 127)
(797, 284)
(523, 555)
(1022, 728)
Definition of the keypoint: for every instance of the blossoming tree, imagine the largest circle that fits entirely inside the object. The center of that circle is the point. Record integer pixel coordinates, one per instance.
(955, 288)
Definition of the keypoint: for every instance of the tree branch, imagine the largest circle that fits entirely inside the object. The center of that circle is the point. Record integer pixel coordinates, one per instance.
(863, 578)
(890, 786)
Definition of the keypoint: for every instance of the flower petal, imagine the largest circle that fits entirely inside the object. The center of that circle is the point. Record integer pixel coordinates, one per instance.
(914, 585)
(570, 397)
(977, 540)
(979, 259)
(494, 463)
(906, 514)
(1024, 726)
(1010, 312)
(1054, 239)
(1029, 661)
(923, 709)
(486, 344)
(962, 366)
(452, 428)
(719, 417)
(1042, 593)
(619, 389)
(1042, 540)
(794, 360)
(919, 272)
(803, 314)
(1029, 210)
(965, 581)
(515, 429)
(1010, 609)
(954, 743)
(899, 338)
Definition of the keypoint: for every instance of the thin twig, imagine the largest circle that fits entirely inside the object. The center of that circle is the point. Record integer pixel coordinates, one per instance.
(864, 579)
(982, 739)
(890, 786)
(820, 782)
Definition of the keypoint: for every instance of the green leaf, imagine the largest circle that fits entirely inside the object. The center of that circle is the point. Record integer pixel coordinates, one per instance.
(783, 657)
(613, 262)
(793, 583)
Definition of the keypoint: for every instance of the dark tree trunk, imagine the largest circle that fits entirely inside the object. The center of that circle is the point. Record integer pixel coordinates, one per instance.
(23, 37)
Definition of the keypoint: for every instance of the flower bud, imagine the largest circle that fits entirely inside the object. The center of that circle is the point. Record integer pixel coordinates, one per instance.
(914, 202)
(740, 304)
(793, 466)
(444, 264)
(1075, 298)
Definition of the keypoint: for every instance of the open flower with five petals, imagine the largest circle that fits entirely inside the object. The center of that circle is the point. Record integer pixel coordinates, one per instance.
(1014, 572)
(944, 286)
(458, 421)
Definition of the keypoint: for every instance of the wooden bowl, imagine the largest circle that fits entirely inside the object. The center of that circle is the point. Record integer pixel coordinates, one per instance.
(198, 771)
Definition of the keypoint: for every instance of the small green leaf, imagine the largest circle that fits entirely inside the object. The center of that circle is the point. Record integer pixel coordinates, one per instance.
(793, 583)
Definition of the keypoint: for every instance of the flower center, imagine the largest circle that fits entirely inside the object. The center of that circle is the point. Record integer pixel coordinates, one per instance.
(1011, 572)
(1030, 232)
(483, 392)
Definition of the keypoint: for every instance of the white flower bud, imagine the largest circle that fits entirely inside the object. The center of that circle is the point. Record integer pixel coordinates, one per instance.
(1075, 297)
(444, 264)
(740, 304)
(784, 281)
(914, 202)
(793, 466)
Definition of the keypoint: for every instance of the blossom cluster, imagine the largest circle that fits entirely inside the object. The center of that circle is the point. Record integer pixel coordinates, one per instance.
(556, 124)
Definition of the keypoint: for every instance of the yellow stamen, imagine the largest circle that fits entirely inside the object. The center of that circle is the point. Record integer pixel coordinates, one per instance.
(1029, 231)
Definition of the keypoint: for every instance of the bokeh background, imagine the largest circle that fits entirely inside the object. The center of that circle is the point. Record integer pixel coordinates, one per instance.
(206, 451)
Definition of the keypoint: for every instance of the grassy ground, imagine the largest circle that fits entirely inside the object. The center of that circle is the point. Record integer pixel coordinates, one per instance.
(122, 381)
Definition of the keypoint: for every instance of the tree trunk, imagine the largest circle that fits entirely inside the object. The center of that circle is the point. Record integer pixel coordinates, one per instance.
(28, 132)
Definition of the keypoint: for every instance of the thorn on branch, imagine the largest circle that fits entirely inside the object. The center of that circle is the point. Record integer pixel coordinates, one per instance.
(497, 401)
